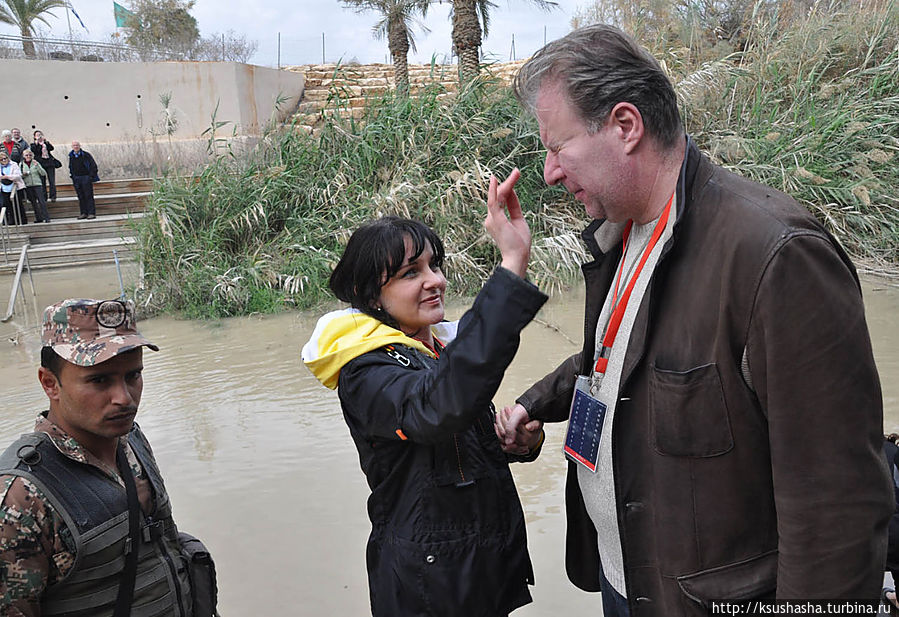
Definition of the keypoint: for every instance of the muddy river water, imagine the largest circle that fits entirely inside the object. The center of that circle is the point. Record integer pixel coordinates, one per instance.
(261, 466)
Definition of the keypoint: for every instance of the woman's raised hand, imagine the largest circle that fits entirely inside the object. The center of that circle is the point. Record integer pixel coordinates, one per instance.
(511, 233)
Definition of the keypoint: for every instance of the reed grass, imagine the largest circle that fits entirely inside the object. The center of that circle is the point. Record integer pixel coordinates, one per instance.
(261, 233)
(812, 110)
(810, 106)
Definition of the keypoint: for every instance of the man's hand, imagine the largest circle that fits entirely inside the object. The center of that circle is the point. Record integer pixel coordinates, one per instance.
(511, 233)
(517, 433)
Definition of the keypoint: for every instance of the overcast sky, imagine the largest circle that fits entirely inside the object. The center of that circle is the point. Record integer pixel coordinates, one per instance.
(346, 33)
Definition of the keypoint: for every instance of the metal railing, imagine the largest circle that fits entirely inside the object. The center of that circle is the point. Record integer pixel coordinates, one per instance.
(11, 46)
(5, 239)
(4, 235)
(17, 288)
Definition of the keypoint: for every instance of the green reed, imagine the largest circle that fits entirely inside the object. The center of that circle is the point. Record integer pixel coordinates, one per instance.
(262, 232)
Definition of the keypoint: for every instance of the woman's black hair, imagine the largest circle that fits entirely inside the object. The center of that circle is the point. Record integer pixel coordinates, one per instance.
(374, 254)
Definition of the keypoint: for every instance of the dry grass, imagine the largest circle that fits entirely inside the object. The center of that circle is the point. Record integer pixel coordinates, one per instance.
(812, 110)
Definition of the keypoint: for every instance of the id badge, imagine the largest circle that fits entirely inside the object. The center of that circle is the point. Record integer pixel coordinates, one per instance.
(584, 425)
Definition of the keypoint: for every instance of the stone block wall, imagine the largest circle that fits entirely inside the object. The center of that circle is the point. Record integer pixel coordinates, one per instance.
(354, 83)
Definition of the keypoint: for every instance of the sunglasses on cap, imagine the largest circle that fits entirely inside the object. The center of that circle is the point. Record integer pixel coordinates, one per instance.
(111, 313)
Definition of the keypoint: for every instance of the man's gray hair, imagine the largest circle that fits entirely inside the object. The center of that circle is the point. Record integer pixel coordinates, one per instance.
(598, 67)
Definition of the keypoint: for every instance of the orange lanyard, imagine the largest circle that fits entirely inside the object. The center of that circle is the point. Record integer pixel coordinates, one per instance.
(437, 348)
(620, 305)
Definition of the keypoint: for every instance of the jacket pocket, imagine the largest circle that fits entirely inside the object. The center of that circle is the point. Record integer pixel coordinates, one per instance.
(449, 463)
(469, 455)
(395, 571)
(457, 577)
(744, 580)
(688, 413)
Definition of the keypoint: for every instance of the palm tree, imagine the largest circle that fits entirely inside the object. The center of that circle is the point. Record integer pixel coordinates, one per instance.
(469, 17)
(397, 17)
(23, 13)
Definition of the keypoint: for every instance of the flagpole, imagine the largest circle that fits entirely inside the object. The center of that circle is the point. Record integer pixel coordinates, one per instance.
(69, 22)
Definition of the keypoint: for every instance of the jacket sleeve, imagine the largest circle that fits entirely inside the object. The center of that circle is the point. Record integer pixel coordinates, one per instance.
(550, 398)
(16, 173)
(379, 398)
(813, 371)
(30, 547)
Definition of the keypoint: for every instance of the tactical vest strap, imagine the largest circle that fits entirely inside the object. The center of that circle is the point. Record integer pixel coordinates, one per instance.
(13, 463)
(132, 546)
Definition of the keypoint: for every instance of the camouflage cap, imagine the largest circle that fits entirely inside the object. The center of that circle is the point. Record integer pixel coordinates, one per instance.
(88, 332)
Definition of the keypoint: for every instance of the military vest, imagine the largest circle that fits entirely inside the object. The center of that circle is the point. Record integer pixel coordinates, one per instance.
(95, 510)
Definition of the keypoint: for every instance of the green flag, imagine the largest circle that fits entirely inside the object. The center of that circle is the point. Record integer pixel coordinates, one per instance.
(123, 17)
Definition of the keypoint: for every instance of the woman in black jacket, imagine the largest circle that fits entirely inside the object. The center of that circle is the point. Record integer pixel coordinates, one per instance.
(448, 535)
(42, 148)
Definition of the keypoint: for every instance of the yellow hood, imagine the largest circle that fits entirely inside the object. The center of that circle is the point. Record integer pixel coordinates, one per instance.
(341, 336)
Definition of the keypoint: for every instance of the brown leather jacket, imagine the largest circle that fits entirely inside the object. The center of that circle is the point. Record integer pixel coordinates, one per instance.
(747, 437)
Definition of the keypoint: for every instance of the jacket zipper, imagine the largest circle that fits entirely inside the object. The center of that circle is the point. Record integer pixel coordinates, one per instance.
(459, 460)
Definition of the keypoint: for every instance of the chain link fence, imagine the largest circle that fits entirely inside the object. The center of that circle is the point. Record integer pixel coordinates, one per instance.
(12, 47)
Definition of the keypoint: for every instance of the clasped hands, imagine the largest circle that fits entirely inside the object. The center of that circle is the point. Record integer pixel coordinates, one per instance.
(517, 432)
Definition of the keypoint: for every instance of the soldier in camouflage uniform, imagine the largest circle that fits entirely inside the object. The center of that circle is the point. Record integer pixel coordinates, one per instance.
(64, 513)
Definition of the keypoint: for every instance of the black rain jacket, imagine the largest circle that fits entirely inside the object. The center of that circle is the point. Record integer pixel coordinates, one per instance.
(448, 533)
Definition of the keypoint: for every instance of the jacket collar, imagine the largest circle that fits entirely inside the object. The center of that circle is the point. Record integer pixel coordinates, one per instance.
(69, 447)
(343, 335)
(694, 173)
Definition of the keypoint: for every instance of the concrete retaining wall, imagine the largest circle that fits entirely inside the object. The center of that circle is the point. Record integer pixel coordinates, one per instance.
(114, 108)
(119, 101)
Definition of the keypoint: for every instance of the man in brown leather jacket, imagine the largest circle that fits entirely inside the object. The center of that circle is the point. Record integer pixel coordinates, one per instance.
(725, 436)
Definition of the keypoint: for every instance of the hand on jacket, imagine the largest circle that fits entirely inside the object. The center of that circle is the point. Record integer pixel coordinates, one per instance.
(511, 233)
(517, 433)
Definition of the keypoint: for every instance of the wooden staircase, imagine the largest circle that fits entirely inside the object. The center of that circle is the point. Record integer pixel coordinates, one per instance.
(68, 241)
